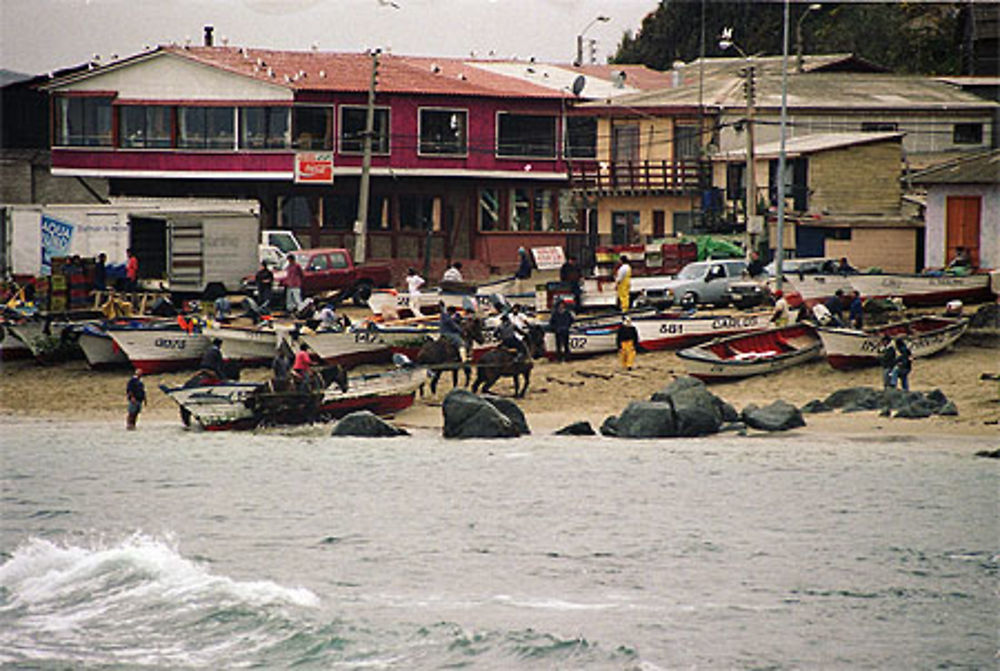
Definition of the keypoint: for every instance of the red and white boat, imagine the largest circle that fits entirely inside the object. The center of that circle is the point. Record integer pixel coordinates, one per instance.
(751, 354)
(818, 287)
(923, 289)
(160, 348)
(851, 348)
(658, 331)
(99, 348)
(230, 405)
(248, 345)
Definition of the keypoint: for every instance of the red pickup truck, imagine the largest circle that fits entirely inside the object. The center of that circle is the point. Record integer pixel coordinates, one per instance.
(332, 269)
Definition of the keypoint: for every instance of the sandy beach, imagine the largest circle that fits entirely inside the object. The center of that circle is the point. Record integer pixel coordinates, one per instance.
(561, 393)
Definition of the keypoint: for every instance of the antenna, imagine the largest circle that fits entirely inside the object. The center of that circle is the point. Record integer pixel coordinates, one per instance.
(578, 84)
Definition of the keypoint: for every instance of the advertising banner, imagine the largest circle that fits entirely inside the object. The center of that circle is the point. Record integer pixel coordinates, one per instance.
(314, 167)
(56, 239)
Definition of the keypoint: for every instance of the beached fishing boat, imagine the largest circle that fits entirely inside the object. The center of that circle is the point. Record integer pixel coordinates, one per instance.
(749, 354)
(851, 348)
(248, 345)
(98, 346)
(38, 334)
(158, 347)
(349, 347)
(923, 289)
(11, 347)
(658, 330)
(390, 304)
(246, 405)
(818, 287)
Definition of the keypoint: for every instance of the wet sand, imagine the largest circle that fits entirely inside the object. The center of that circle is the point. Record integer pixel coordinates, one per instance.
(561, 393)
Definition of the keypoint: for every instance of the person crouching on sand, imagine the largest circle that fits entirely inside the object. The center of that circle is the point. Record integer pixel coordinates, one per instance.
(135, 392)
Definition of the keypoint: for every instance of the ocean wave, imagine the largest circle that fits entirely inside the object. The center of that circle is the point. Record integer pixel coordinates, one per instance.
(136, 600)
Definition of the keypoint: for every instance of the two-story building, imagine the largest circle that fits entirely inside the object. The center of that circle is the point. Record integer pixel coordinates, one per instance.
(469, 158)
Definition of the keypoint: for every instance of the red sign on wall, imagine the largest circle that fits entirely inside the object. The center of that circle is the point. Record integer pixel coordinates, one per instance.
(314, 167)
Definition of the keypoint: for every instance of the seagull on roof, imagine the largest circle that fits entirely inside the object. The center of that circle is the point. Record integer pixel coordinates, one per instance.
(388, 3)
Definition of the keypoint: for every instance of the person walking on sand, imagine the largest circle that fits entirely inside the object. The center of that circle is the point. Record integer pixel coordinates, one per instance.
(904, 364)
(293, 284)
(887, 360)
(627, 340)
(623, 283)
(135, 392)
(560, 322)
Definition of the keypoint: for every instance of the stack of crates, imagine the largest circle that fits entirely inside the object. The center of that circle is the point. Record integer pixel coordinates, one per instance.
(678, 255)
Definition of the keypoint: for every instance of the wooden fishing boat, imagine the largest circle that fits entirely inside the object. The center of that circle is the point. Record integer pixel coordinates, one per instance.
(38, 334)
(657, 330)
(923, 289)
(750, 354)
(159, 347)
(98, 346)
(11, 347)
(246, 405)
(851, 348)
(390, 304)
(248, 345)
(818, 287)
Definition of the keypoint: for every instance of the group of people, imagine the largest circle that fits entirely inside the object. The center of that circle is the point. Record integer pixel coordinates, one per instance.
(896, 361)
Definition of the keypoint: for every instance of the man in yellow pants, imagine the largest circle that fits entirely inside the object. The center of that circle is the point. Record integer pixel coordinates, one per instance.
(623, 283)
(627, 339)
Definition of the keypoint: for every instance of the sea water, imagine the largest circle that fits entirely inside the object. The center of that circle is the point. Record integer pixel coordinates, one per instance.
(179, 549)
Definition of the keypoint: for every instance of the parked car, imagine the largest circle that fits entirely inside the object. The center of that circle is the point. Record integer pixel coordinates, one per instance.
(331, 271)
(804, 266)
(700, 282)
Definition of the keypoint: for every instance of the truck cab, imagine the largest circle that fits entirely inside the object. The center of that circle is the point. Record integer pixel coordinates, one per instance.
(275, 245)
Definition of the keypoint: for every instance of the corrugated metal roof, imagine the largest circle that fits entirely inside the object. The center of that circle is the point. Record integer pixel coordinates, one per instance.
(982, 168)
(810, 144)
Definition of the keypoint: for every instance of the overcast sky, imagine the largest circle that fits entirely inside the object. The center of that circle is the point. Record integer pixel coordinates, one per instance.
(37, 36)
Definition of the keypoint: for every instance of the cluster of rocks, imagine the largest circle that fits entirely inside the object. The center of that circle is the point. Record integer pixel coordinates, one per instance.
(365, 423)
(889, 402)
(987, 316)
(467, 415)
(686, 408)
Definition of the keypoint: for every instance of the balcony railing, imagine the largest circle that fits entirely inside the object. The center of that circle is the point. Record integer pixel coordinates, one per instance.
(640, 177)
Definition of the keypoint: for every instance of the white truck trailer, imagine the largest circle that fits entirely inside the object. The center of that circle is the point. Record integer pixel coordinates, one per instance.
(184, 246)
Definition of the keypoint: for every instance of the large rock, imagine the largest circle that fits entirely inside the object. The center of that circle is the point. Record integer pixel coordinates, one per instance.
(779, 416)
(510, 410)
(576, 429)
(646, 419)
(467, 415)
(609, 427)
(861, 398)
(696, 412)
(678, 384)
(815, 406)
(368, 424)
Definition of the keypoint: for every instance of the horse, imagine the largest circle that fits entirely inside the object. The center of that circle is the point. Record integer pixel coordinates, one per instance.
(503, 362)
(441, 354)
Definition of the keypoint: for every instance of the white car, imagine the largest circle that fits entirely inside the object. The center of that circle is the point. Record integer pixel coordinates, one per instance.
(699, 282)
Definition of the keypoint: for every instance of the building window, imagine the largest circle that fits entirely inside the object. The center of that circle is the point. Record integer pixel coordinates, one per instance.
(339, 211)
(264, 128)
(312, 127)
(624, 228)
(416, 213)
(489, 210)
(443, 132)
(968, 133)
(520, 210)
(686, 143)
(296, 211)
(528, 135)
(569, 215)
(206, 127)
(625, 144)
(352, 130)
(878, 127)
(581, 137)
(83, 121)
(144, 127)
(735, 189)
(686, 223)
(541, 214)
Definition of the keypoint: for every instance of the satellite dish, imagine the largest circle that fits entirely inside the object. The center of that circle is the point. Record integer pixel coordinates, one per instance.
(578, 84)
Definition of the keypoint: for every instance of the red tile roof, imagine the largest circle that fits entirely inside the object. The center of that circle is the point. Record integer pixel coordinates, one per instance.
(350, 72)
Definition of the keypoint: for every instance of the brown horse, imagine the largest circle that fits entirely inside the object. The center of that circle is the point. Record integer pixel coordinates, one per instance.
(441, 354)
(503, 362)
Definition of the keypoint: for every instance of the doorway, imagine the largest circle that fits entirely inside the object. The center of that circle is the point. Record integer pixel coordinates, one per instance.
(962, 226)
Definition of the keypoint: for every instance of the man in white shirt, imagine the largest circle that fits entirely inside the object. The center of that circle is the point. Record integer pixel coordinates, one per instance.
(623, 283)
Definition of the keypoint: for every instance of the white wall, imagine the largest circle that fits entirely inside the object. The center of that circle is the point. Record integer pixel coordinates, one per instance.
(989, 223)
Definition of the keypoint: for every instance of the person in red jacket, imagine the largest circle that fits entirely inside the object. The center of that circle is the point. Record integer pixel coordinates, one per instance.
(132, 271)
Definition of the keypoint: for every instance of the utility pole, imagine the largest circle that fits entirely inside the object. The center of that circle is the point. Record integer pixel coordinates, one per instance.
(361, 222)
(751, 182)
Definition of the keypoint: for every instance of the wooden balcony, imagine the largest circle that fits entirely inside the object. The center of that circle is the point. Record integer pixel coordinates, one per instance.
(640, 178)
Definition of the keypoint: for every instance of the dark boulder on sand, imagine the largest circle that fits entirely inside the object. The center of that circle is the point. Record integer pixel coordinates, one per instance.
(815, 406)
(646, 419)
(365, 423)
(779, 416)
(510, 410)
(467, 415)
(577, 429)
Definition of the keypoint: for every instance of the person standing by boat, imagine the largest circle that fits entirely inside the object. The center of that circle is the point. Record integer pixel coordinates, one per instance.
(623, 283)
(132, 271)
(523, 270)
(856, 311)
(453, 273)
(135, 392)
(904, 364)
(414, 282)
(780, 316)
(560, 321)
(887, 360)
(293, 284)
(101, 272)
(264, 280)
(627, 340)
(211, 360)
(569, 273)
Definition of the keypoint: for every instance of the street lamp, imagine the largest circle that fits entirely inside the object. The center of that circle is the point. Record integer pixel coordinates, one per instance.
(579, 38)
(725, 43)
(798, 33)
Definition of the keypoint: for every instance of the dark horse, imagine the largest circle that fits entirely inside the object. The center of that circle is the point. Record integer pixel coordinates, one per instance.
(503, 362)
(442, 354)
